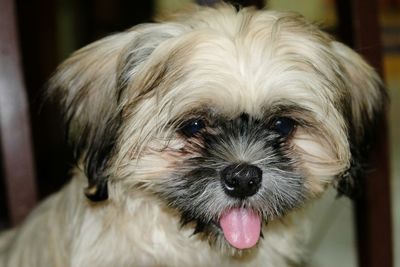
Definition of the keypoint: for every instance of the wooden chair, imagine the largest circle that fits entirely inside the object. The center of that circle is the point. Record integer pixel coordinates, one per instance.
(15, 134)
(359, 28)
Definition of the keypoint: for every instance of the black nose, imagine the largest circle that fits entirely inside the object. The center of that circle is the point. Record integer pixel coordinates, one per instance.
(241, 180)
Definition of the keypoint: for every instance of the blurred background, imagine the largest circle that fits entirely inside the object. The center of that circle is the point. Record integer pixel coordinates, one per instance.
(49, 30)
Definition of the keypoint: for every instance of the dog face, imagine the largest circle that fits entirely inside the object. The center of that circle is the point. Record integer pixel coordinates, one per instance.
(229, 118)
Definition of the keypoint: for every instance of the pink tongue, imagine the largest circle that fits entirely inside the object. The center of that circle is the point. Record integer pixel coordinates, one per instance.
(241, 227)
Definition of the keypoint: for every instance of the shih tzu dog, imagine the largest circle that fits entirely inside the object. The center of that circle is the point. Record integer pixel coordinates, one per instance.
(199, 141)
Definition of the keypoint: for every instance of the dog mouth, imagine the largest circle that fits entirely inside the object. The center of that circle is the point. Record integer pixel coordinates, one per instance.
(241, 227)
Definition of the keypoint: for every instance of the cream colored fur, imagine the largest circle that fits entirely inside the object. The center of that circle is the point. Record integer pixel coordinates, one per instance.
(232, 62)
(67, 230)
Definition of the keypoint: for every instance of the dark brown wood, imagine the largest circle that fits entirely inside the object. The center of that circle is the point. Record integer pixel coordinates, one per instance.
(19, 173)
(359, 27)
(41, 46)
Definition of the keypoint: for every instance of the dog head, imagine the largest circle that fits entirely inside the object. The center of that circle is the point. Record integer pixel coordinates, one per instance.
(231, 118)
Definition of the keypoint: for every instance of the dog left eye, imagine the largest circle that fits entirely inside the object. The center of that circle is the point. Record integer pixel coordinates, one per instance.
(192, 127)
(284, 126)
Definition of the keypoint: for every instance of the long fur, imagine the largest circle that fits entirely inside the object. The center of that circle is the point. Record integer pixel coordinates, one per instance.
(153, 196)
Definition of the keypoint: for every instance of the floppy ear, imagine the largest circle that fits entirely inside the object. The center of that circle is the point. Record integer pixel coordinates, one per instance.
(366, 108)
(86, 86)
(90, 85)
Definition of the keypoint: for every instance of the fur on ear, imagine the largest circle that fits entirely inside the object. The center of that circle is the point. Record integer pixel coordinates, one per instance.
(90, 85)
(365, 108)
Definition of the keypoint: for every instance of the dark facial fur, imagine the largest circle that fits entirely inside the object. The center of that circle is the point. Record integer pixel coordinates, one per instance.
(197, 188)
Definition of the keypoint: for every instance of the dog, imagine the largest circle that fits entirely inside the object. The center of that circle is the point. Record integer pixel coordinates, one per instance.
(199, 141)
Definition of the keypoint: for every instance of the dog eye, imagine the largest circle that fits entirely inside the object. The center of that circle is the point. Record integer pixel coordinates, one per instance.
(192, 127)
(284, 126)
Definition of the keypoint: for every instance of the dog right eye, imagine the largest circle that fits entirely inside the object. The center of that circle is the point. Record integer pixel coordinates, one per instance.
(192, 127)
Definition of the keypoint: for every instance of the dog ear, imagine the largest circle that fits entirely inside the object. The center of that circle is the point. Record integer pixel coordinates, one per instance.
(85, 85)
(365, 107)
(90, 85)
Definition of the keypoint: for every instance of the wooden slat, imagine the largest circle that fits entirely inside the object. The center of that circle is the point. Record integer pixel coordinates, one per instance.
(359, 27)
(14, 121)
